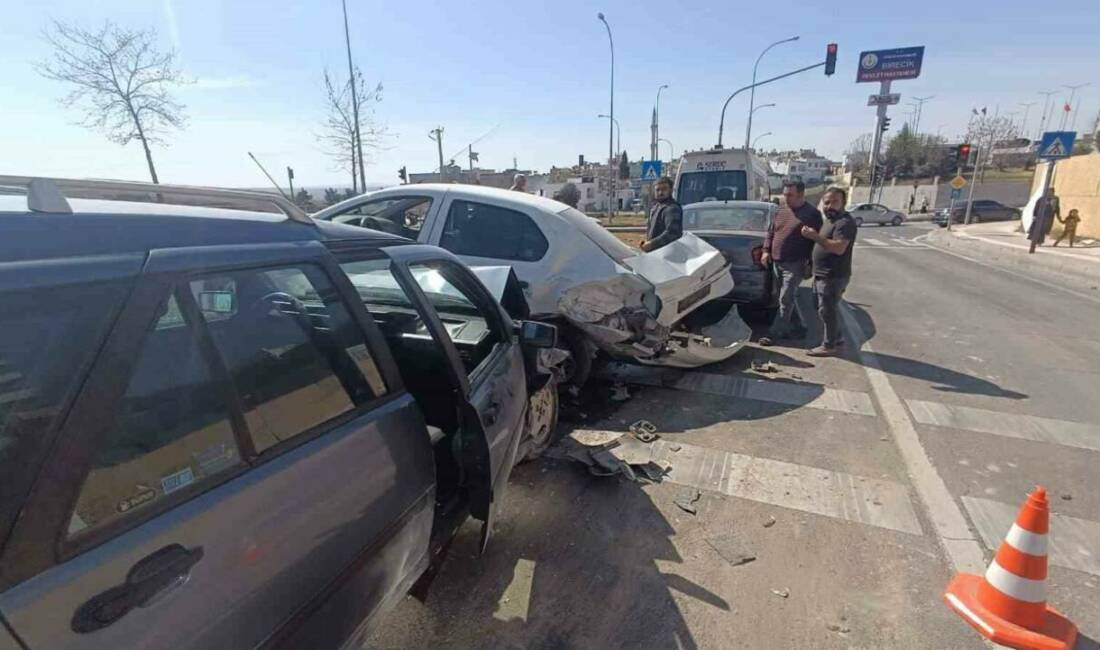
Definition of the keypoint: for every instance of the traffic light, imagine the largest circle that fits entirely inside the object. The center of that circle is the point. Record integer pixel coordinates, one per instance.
(963, 154)
(403, 175)
(830, 59)
(885, 125)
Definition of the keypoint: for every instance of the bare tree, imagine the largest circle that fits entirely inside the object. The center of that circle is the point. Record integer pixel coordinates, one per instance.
(858, 155)
(338, 128)
(120, 80)
(986, 132)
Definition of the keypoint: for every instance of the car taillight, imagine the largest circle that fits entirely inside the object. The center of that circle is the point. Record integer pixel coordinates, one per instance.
(758, 256)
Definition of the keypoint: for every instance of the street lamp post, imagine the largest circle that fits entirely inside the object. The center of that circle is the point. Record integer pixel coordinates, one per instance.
(752, 93)
(1069, 102)
(757, 138)
(618, 135)
(1027, 111)
(671, 150)
(654, 132)
(1046, 110)
(753, 113)
(611, 125)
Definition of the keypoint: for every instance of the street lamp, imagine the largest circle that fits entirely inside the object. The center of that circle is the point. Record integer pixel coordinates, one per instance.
(618, 135)
(611, 126)
(1046, 109)
(752, 93)
(1027, 111)
(1069, 102)
(757, 138)
(656, 115)
(671, 151)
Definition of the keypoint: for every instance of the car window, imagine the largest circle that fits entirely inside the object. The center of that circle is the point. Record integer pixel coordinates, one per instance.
(490, 231)
(49, 337)
(398, 215)
(472, 328)
(750, 218)
(598, 235)
(295, 354)
(172, 431)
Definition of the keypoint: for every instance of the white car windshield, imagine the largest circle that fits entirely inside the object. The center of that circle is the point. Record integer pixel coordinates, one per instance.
(608, 243)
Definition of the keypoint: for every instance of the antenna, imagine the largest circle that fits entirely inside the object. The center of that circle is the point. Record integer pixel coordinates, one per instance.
(269, 176)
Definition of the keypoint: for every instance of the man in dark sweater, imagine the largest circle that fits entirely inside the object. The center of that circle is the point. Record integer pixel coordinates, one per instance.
(666, 218)
(832, 260)
(789, 254)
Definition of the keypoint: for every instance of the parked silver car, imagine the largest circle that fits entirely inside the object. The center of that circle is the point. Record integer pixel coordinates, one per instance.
(868, 213)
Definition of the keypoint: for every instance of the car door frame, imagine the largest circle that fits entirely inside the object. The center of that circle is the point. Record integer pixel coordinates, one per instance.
(477, 459)
(90, 419)
(436, 196)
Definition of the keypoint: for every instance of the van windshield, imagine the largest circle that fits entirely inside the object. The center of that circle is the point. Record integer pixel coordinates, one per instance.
(695, 187)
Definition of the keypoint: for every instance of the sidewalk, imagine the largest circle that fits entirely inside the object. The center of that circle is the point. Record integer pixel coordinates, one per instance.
(1002, 244)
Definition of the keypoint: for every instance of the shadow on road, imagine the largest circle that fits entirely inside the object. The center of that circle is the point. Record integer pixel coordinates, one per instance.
(941, 378)
(574, 564)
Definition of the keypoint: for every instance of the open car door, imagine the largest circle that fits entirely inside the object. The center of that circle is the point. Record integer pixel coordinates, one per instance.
(459, 355)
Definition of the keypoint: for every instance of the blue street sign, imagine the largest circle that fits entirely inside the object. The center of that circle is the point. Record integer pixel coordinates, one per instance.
(651, 170)
(887, 65)
(1056, 144)
(956, 194)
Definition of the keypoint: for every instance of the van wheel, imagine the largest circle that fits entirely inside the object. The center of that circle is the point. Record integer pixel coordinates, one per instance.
(896, 221)
(541, 423)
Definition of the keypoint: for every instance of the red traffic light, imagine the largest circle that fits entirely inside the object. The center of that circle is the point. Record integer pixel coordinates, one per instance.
(830, 59)
(964, 152)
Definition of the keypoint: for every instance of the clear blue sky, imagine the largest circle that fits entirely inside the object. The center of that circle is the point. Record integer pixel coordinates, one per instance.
(539, 71)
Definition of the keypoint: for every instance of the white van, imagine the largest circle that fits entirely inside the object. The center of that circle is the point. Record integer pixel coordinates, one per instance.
(721, 175)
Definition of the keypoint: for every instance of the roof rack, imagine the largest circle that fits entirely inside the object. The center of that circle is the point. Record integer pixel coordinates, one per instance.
(52, 194)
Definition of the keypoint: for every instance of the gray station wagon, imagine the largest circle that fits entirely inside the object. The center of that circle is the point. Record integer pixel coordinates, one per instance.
(226, 428)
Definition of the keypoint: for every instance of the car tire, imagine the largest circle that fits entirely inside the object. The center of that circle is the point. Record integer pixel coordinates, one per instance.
(896, 221)
(540, 425)
(859, 222)
(975, 218)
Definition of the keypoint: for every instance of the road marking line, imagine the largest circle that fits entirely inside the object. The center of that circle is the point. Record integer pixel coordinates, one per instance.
(1072, 541)
(515, 602)
(1011, 425)
(764, 390)
(962, 549)
(883, 504)
(1044, 283)
(911, 243)
(872, 241)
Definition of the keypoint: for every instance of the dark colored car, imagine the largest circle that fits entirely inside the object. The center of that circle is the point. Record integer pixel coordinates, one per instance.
(233, 429)
(982, 210)
(737, 230)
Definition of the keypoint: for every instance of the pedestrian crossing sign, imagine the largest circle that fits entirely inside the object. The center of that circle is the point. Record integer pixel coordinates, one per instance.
(651, 170)
(1056, 144)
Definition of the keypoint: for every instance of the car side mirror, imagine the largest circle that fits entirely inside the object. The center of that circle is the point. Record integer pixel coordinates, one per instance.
(537, 335)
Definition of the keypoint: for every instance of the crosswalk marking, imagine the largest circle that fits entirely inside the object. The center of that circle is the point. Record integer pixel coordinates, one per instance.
(1072, 540)
(765, 390)
(874, 242)
(864, 500)
(908, 242)
(1025, 427)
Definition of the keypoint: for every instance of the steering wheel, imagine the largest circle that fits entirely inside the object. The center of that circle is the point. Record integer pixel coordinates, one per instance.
(302, 315)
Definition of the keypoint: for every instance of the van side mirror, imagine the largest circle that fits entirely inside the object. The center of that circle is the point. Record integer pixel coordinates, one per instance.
(537, 335)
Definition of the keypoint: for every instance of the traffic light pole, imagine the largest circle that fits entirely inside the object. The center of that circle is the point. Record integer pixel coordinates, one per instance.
(876, 142)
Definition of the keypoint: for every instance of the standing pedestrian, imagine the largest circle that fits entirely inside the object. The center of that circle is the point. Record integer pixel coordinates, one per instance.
(1042, 218)
(788, 253)
(912, 201)
(832, 265)
(666, 219)
(1069, 227)
(519, 183)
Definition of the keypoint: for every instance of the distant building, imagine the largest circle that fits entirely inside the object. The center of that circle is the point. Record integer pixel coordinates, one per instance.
(456, 174)
(805, 165)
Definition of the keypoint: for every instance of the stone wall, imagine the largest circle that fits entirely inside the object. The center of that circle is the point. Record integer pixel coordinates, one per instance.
(1077, 184)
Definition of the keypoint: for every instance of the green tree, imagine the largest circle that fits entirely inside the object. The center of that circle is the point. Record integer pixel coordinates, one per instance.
(304, 200)
(624, 167)
(331, 196)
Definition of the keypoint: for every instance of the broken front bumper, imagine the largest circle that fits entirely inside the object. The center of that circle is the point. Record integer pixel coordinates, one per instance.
(617, 315)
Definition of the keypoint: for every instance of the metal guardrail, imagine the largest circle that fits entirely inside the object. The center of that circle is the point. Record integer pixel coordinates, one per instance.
(50, 195)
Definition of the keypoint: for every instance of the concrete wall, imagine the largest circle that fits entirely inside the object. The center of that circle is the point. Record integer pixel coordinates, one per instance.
(1013, 193)
(1077, 184)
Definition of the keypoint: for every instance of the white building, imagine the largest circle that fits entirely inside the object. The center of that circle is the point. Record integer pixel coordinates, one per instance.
(803, 165)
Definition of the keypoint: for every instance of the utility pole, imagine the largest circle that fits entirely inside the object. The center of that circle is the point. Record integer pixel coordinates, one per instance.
(610, 127)
(354, 101)
(978, 167)
(437, 135)
(1027, 111)
(290, 180)
(1046, 109)
(654, 133)
(876, 142)
(920, 111)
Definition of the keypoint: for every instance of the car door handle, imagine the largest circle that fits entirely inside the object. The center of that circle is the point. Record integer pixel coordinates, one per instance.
(154, 574)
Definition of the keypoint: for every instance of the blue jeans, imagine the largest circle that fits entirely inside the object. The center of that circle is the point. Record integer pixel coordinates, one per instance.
(788, 276)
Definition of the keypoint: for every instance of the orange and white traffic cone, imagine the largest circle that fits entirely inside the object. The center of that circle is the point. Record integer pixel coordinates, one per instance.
(1008, 604)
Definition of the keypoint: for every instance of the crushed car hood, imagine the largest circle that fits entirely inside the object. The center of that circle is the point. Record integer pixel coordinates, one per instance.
(640, 312)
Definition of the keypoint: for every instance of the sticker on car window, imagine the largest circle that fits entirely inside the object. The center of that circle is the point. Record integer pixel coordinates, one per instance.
(144, 495)
(365, 362)
(215, 458)
(177, 481)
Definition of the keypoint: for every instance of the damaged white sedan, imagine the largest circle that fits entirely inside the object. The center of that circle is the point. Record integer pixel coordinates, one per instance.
(645, 307)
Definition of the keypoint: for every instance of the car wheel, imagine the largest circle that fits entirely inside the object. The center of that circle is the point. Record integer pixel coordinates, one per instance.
(975, 218)
(896, 221)
(541, 423)
(859, 222)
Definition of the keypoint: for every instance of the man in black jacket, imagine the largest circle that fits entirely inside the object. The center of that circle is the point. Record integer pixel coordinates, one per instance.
(666, 218)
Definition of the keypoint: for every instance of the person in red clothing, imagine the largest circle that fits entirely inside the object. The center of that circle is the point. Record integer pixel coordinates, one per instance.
(788, 253)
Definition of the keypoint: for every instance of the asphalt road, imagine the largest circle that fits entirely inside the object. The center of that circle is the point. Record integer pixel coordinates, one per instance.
(883, 470)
